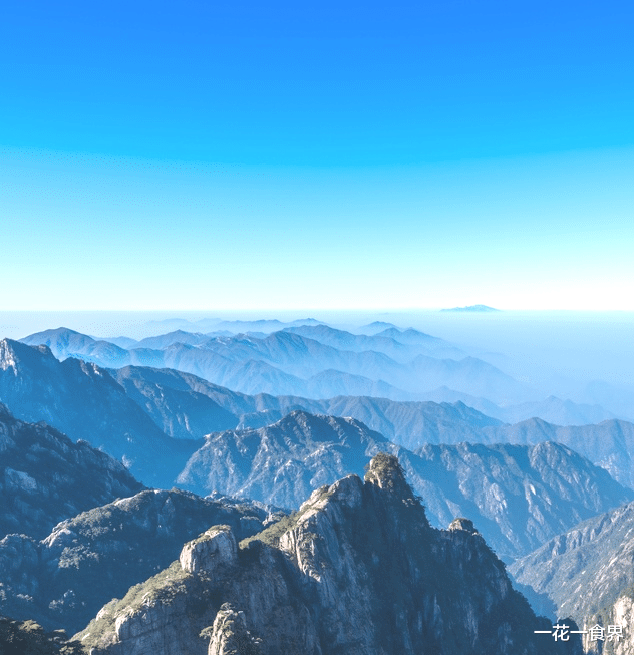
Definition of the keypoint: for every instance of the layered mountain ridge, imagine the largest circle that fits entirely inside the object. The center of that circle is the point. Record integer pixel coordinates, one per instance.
(514, 493)
(289, 362)
(277, 448)
(326, 362)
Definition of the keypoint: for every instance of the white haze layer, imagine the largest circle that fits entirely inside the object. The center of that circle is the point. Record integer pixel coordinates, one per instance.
(585, 356)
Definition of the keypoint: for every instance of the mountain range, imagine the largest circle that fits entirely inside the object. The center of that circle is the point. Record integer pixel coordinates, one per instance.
(518, 496)
(314, 361)
(85, 402)
(126, 409)
(416, 366)
(80, 529)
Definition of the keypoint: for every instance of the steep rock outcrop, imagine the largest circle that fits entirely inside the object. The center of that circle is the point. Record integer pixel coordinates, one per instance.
(357, 570)
(612, 627)
(63, 580)
(213, 551)
(229, 634)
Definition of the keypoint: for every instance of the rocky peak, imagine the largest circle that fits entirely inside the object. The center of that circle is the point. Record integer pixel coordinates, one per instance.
(463, 524)
(385, 471)
(356, 570)
(13, 353)
(214, 549)
(229, 634)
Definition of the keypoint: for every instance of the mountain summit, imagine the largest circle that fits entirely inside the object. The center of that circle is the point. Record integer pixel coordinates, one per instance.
(357, 570)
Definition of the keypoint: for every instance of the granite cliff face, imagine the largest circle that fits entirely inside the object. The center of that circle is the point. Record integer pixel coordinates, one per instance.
(619, 614)
(357, 570)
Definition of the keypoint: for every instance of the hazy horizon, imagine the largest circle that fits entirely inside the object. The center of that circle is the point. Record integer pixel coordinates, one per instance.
(557, 351)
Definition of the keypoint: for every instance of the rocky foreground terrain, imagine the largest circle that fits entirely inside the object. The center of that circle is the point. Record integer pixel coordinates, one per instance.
(357, 570)
(63, 580)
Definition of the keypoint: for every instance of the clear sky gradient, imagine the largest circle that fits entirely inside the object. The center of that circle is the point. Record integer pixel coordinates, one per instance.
(247, 155)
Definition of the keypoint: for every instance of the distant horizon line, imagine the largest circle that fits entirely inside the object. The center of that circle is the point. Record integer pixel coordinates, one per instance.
(288, 310)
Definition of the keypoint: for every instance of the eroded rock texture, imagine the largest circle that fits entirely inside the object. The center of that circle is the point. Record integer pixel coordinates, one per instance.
(357, 571)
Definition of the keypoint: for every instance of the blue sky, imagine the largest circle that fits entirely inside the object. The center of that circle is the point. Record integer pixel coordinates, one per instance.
(244, 155)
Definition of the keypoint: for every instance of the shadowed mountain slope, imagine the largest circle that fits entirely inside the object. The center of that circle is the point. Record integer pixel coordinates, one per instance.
(519, 496)
(28, 638)
(85, 402)
(45, 477)
(586, 568)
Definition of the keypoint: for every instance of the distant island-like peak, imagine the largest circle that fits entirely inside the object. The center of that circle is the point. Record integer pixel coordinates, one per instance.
(472, 308)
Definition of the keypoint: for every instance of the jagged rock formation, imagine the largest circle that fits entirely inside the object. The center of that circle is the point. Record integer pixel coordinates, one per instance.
(229, 634)
(358, 570)
(520, 496)
(63, 580)
(45, 477)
